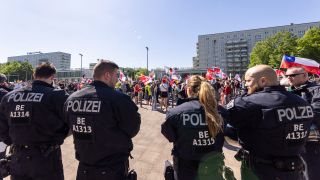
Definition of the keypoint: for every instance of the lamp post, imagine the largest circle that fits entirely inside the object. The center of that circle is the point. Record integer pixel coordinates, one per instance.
(81, 64)
(147, 58)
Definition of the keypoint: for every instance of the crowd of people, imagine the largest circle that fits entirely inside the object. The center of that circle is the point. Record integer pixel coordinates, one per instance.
(276, 126)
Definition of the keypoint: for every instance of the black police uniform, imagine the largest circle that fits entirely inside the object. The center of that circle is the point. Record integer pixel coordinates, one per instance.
(35, 128)
(311, 93)
(273, 126)
(3, 91)
(103, 121)
(196, 154)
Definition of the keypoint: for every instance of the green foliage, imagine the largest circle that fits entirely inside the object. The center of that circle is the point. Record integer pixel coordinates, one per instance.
(129, 72)
(134, 73)
(17, 70)
(309, 44)
(271, 50)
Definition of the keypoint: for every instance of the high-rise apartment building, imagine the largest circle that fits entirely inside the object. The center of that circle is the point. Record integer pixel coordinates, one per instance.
(231, 50)
(60, 60)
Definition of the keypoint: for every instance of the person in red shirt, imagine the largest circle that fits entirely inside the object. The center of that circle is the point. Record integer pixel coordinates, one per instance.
(227, 92)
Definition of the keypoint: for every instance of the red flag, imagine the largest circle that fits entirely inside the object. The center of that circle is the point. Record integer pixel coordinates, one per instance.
(122, 77)
(210, 70)
(216, 70)
(311, 66)
(279, 72)
(144, 78)
(209, 76)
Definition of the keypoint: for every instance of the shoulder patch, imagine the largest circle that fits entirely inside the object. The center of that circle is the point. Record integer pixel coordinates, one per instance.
(230, 104)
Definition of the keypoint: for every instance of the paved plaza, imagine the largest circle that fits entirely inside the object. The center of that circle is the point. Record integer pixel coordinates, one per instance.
(151, 149)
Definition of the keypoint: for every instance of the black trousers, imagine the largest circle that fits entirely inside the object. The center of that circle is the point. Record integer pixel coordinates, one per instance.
(35, 164)
(118, 171)
(312, 159)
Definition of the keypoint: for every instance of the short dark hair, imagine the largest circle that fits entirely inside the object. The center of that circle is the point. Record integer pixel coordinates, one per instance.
(102, 67)
(44, 70)
(3, 78)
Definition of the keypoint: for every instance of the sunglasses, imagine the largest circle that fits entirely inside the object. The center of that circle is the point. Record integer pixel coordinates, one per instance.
(293, 75)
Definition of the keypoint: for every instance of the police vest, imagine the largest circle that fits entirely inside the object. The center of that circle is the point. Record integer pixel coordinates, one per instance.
(194, 139)
(93, 117)
(34, 114)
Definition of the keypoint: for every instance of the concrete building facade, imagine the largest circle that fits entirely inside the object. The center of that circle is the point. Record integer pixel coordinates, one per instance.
(231, 50)
(60, 60)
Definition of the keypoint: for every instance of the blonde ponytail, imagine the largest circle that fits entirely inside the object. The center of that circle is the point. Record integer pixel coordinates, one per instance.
(202, 89)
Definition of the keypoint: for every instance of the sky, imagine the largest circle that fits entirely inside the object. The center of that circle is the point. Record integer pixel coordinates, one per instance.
(120, 30)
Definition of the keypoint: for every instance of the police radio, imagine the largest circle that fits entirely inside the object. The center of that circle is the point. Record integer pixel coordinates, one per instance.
(168, 171)
(132, 175)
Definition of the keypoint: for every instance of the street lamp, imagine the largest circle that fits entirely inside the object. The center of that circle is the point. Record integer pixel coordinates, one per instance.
(147, 58)
(81, 64)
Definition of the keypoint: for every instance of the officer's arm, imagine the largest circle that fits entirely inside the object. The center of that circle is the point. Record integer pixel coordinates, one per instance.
(241, 113)
(228, 130)
(315, 103)
(59, 99)
(4, 127)
(168, 128)
(129, 118)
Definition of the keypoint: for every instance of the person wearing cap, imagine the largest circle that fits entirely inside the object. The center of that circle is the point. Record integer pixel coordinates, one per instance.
(300, 85)
(31, 122)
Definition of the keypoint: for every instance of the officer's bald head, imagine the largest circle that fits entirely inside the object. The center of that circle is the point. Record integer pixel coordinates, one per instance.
(260, 76)
(263, 71)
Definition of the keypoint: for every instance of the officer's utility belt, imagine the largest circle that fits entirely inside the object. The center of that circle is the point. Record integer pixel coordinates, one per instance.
(294, 163)
(45, 149)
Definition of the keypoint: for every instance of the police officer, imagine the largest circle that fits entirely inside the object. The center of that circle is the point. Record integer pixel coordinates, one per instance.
(35, 128)
(3, 91)
(299, 85)
(272, 125)
(195, 128)
(103, 121)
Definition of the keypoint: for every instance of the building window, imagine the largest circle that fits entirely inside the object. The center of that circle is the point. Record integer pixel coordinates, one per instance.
(258, 37)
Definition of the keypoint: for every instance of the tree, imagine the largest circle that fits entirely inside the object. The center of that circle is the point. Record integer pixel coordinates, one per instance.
(271, 50)
(17, 70)
(140, 71)
(260, 54)
(309, 44)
